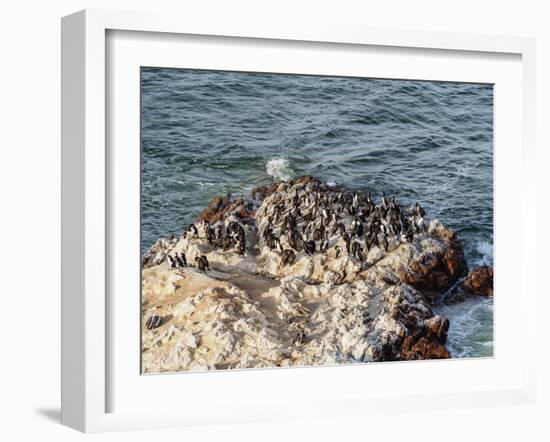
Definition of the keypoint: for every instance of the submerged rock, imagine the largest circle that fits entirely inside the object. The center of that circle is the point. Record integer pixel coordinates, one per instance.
(302, 274)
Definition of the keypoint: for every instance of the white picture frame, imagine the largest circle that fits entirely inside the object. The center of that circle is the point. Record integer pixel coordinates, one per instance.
(85, 216)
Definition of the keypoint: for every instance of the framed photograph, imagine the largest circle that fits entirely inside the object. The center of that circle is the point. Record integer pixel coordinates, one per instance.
(263, 222)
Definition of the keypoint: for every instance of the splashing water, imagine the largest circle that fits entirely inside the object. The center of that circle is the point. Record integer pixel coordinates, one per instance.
(485, 249)
(279, 168)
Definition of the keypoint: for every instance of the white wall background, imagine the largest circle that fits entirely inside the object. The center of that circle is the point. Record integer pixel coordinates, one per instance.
(30, 215)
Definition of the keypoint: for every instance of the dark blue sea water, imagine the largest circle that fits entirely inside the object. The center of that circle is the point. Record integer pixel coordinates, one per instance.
(210, 133)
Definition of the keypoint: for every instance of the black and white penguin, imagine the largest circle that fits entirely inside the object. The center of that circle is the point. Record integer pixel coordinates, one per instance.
(419, 210)
(385, 243)
(202, 263)
(153, 322)
(173, 262)
(310, 247)
(218, 233)
(288, 257)
(193, 228)
(354, 248)
(209, 233)
(182, 261)
(357, 227)
(347, 240)
(279, 246)
(385, 202)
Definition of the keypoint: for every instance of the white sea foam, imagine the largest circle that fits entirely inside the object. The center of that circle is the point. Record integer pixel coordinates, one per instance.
(467, 321)
(485, 248)
(279, 168)
(331, 183)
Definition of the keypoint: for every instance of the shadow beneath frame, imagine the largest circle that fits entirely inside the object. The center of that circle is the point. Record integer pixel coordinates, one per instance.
(51, 414)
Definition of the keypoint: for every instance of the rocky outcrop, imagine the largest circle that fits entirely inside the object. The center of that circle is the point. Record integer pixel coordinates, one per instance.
(433, 273)
(480, 281)
(328, 294)
(219, 208)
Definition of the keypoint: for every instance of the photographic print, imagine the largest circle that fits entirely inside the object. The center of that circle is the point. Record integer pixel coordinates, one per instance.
(303, 220)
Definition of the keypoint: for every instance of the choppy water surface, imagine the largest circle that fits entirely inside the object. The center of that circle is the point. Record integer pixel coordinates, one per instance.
(210, 133)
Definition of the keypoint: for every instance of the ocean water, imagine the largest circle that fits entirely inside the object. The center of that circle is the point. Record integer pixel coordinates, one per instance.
(207, 133)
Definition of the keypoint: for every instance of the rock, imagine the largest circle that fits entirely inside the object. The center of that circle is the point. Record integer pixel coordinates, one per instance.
(436, 272)
(323, 307)
(157, 252)
(423, 349)
(220, 208)
(480, 281)
(262, 192)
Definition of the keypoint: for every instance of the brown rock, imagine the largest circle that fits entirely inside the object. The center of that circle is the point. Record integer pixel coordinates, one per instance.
(219, 208)
(480, 281)
(423, 348)
(437, 327)
(262, 192)
(427, 341)
(214, 209)
(455, 261)
(427, 273)
(305, 179)
(434, 273)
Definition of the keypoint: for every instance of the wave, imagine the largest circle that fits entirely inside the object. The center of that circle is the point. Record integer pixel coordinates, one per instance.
(470, 331)
(279, 168)
(485, 249)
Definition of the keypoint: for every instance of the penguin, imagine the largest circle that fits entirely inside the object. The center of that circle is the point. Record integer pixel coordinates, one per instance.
(317, 234)
(342, 229)
(385, 203)
(182, 261)
(358, 228)
(218, 233)
(347, 239)
(173, 262)
(288, 257)
(193, 228)
(360, 256)
(278, 246)
(202, 263)
(385, 243)
(310, 247)
(153, 322)
(354, 248)
(369, 199)
(300, 338)
(355, 201)
(208, 233)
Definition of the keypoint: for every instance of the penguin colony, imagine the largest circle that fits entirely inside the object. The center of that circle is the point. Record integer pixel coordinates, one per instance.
(227, 237)
(314, 218)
